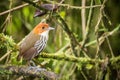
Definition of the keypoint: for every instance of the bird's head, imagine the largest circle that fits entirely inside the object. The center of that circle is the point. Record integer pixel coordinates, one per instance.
(42, 29)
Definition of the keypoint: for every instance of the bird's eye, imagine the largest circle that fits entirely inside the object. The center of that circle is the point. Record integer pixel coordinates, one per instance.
(43, 27)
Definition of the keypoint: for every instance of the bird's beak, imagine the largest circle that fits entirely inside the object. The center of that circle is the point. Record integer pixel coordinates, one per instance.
(51, 28)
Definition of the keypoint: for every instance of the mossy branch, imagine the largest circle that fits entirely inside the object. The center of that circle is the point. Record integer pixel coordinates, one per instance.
(70, 58)
(82, 60)
(28, 71)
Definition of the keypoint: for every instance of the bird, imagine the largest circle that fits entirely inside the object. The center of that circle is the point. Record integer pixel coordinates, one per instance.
(48, 7)
(34, 42)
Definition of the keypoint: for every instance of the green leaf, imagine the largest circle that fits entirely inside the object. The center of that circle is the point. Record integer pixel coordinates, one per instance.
(62, 14)
(89, 66)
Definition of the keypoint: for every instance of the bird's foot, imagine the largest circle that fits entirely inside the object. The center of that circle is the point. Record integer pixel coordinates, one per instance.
(32, 63)
(34, 69)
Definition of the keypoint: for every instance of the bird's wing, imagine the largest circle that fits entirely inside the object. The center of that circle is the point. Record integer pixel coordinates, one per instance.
(28, 43)
(29, 54)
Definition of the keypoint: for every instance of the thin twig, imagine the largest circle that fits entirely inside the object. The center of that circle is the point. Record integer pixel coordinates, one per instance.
(35, 5)
(63, 69)
(72, 69)
(83, 19)
(5, 55)
(79, 7)
(111, 51)
(16, 8)
(85, 77)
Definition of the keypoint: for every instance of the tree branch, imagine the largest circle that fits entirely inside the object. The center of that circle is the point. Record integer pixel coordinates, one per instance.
(60, 56)
(16, 8)
(35, 5)
(28, 71)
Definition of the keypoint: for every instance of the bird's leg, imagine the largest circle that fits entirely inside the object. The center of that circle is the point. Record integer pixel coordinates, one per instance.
(34, 68)
(30, 65)
(32, 62)
(39, 64)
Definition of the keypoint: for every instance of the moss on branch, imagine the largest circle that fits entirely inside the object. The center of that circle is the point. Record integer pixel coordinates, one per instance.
(70, 58)
(28, 71)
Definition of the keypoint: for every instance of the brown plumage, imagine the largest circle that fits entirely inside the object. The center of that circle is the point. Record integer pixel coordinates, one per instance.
(34, 42)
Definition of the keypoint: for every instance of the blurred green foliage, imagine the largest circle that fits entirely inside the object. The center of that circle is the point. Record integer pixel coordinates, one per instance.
(20, 22)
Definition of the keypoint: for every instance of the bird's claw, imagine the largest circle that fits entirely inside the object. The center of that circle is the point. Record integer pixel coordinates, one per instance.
(34, 69)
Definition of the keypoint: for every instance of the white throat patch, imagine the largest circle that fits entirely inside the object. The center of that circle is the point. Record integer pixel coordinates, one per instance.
(45, 34)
